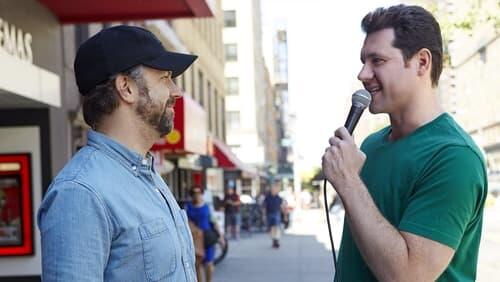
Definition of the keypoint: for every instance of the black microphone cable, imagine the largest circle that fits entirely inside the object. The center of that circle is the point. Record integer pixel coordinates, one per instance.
(330, 230)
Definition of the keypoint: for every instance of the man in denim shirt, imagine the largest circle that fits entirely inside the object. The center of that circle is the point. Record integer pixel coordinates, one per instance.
(108, 216)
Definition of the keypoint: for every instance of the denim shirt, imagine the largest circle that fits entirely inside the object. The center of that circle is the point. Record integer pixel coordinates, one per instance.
(108, 216)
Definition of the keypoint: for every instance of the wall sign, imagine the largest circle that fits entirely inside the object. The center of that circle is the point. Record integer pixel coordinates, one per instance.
(16, 42)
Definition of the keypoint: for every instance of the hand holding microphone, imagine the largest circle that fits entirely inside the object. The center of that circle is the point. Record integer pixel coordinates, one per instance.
(343, 159)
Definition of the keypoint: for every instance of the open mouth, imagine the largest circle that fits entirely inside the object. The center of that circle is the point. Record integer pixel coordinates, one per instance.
(374, 90)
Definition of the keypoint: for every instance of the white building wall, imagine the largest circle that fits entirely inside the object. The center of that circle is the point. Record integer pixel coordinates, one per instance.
(247, 36)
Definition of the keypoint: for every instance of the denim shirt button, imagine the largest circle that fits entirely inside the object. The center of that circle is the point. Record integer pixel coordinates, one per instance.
(144, 162)
(134, 168)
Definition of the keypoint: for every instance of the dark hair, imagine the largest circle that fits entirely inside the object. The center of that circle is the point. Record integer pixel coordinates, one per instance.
(195, 190)
(414, 28)
(103, 99)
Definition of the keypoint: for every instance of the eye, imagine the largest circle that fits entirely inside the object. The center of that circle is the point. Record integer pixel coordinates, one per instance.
(377, 61)
(167, 76)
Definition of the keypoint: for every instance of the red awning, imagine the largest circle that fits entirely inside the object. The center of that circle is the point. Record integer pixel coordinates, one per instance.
(228, 160)
(85, 11)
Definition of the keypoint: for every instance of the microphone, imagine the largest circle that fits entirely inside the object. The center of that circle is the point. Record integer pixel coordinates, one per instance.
(360, 100)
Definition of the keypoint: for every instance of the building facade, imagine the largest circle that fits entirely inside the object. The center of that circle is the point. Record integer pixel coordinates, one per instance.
(247, 87)
(286, 117)
(469, 88)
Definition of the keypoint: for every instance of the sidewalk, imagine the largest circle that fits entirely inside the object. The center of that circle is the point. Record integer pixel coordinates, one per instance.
(489, 255)
(303, 255)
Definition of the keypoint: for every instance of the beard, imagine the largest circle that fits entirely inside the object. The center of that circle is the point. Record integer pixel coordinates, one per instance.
(159, 117)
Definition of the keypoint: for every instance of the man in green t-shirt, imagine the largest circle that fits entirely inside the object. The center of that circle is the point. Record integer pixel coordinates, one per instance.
(414, 193)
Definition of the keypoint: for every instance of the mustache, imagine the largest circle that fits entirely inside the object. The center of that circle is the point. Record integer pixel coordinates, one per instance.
(170, 102)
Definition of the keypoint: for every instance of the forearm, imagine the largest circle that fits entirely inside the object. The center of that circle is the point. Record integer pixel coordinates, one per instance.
(382, 246)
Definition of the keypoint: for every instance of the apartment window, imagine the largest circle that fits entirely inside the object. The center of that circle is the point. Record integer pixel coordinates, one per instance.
(232, 86)
(482, 54)
(223, 118)
(233, 119)
(192, 92)
(230, 18)
(231, 52)
(216, 114)
(200, 89)
(209, 106)
(183, 83)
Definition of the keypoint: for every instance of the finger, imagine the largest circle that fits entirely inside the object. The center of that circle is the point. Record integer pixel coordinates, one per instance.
(327, 155)
(331, 152)
(343, 134)
(334, 141)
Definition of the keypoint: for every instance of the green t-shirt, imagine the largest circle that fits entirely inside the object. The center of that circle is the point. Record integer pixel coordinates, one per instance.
(431, 183)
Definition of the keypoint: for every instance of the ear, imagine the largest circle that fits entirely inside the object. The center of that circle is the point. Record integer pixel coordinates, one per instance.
(127, 90)
(424, 61)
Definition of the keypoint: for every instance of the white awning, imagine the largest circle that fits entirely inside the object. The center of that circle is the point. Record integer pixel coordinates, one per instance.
(29, 81)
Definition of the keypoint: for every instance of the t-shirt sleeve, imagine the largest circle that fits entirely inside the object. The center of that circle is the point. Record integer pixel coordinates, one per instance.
(447, 197)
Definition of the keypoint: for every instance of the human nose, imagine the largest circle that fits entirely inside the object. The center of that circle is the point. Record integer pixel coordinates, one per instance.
(175, 91)
(365, 74)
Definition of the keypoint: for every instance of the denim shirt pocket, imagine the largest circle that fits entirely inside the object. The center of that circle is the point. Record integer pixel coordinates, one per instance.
(159, 249)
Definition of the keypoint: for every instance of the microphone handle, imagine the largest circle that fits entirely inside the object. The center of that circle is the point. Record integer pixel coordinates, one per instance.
(353, 118)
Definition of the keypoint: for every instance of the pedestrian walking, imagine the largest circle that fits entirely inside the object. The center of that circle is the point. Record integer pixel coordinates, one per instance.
(274, 206)
(232, 210)
(108, 215)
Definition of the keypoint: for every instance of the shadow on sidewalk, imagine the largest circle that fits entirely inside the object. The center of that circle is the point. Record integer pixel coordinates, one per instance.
(300, 258)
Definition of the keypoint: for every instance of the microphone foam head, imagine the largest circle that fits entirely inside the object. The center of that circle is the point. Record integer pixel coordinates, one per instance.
(361, 98)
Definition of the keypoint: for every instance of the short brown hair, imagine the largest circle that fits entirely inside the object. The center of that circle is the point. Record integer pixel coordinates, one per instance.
(414, 28)
(103, 99)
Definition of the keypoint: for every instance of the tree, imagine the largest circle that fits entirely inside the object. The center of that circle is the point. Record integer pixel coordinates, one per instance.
(461, 16)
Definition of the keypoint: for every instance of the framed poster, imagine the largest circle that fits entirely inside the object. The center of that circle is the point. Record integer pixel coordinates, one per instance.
(16, 215)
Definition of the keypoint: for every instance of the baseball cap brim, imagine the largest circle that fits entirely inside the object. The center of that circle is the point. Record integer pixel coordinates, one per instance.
(177, 63)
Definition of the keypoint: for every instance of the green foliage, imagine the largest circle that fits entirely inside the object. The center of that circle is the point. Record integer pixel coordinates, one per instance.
(467, 19)
(307, 183)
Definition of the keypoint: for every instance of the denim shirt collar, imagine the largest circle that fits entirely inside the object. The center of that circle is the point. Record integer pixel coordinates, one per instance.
(127, 157)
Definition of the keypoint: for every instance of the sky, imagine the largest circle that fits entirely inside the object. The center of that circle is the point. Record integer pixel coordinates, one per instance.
(324, 41)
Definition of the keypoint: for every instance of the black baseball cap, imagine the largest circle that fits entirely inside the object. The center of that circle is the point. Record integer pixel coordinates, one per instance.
(119, 48)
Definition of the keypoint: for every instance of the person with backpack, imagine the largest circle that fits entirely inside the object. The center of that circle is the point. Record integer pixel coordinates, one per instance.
(198, 212)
